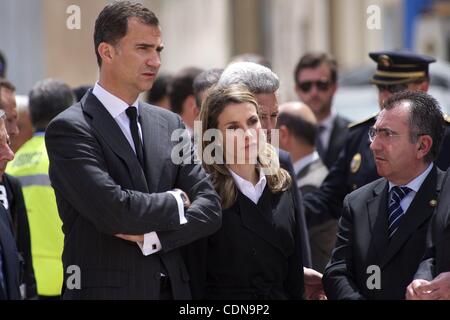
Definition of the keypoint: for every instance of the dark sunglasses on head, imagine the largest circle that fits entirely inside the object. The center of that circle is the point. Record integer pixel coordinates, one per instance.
(321, 85)
(392, 88)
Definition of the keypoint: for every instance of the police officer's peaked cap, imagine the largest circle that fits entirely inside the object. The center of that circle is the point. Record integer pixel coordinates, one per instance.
(396, 67)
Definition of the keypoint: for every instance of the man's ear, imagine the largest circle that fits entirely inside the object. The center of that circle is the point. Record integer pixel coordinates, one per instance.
(424, 85)
(424, 145)
(106, 52)
(283, 135)
(190, 106)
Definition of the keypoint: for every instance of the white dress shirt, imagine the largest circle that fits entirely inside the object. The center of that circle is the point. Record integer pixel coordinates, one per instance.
(116, 108)
(253, 192)
(414, 185)
(305, 161)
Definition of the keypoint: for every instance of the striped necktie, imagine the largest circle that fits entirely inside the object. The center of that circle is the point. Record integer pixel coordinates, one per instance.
(395, 210)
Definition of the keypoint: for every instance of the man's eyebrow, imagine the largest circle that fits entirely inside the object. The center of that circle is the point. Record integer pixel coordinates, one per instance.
(147, 45)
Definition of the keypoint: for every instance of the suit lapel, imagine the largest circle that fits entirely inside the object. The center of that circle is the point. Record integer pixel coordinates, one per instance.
(418, 212)
(301, 174)
(333, 136)
(336, 136)
(376, 208)
(108, 128)
(257, 221)
(155, 132)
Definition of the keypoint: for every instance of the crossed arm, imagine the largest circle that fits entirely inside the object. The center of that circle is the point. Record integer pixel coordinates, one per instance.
(80, 174)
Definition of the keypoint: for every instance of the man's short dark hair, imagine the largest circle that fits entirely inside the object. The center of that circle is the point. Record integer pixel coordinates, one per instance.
(182, 87)
(112, 22)
(204, 81)
(160, 88)
(47, 99)
(426, 118)
(313, 60)
(301, 129)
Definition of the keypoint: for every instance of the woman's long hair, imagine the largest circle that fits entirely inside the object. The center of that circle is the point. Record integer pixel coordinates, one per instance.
(218, 98)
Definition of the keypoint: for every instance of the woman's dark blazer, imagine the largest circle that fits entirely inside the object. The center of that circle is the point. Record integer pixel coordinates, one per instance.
(256, 254)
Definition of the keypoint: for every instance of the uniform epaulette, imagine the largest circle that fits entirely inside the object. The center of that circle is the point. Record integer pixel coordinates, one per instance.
(447, 118)
(357, 123)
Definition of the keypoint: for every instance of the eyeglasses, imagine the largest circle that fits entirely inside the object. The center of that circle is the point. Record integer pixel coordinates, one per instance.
(322, 85)
(386, 134)
(392, 88)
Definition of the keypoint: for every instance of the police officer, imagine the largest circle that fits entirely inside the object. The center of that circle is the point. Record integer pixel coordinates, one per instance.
(355, 167)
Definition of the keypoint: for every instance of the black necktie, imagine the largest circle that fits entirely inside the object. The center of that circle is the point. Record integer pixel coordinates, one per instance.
(319, 145)
(132, 115)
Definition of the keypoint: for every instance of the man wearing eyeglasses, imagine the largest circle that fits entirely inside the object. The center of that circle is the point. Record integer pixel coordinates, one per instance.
(315, 79)
(355, 167)
(382, 232)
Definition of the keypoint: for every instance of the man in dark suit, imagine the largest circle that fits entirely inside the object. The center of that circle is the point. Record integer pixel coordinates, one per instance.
(382, 231)
(119, 187)
(396, 71)
(432, 279)
(9, 256)
(315, 79)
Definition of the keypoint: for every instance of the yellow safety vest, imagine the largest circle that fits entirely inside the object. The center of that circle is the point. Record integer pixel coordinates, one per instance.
(30, 166)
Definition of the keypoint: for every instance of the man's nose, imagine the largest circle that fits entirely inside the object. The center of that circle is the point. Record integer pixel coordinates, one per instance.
(375, 145)
(13, 130)
(7, 154)
(154, 61)
(313, 90)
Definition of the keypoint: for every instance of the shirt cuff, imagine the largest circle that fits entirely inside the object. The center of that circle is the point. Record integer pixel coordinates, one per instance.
(151, 244)
(177, 195)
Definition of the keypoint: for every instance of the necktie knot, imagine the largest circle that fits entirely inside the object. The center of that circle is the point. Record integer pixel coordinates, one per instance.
(131, 113)
(400, 192)
(321, 128)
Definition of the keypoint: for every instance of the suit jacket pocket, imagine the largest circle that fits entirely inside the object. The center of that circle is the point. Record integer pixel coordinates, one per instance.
(103, 278)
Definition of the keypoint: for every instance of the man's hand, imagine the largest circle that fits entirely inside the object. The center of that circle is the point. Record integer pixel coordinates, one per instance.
(415, 290)
(129, 237)
(438, 288)
(185, 198)
(313, 285)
